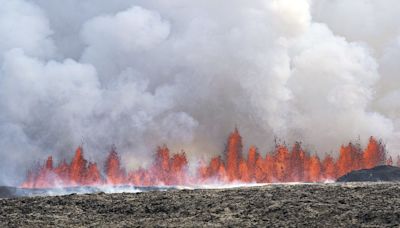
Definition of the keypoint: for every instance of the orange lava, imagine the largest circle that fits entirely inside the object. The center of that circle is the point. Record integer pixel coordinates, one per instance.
(281, 165)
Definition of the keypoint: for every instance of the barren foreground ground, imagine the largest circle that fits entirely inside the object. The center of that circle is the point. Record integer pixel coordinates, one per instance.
(319, 205)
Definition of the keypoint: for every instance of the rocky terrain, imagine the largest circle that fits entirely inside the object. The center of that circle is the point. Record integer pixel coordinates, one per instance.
(310, 205)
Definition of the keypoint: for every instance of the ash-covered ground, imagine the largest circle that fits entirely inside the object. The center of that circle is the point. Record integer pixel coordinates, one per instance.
(311, 205)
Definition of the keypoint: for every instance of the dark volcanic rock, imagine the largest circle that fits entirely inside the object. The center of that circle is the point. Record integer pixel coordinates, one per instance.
(7, 192)
(376, 174)
(308, 205)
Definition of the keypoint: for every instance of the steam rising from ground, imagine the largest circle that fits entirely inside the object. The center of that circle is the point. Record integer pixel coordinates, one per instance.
(138, 74)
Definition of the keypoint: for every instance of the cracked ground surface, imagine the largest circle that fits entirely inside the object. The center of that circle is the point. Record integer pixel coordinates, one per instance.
(310, 205)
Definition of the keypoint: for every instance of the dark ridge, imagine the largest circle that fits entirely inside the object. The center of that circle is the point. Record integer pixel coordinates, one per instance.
(7, 192)
(376, 174)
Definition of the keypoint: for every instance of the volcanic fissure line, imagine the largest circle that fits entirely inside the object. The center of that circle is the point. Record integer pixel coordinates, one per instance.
(282, 165)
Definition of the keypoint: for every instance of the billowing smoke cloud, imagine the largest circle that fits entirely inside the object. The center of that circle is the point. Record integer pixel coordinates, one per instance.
(139, 74)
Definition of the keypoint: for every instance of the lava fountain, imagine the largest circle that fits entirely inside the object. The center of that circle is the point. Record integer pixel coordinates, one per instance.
(283, 164)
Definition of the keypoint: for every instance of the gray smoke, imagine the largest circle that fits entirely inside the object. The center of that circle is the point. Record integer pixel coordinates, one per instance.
(142, 73)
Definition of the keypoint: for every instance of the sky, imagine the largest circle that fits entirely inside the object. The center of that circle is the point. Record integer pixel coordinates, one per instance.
(141, 73)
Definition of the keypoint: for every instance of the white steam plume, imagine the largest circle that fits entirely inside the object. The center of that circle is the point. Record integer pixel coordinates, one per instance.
(141, 73)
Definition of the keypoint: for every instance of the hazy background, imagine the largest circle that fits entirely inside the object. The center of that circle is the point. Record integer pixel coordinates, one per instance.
(142, 73)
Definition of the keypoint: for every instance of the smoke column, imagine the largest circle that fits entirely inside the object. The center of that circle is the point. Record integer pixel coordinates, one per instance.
(142, 73)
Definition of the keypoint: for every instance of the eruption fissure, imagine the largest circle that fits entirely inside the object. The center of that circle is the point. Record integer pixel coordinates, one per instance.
(282, 165)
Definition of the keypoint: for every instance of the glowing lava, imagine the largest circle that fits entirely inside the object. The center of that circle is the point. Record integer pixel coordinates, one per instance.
(282, 165)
